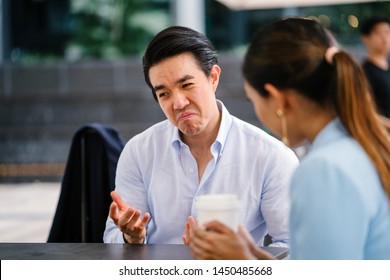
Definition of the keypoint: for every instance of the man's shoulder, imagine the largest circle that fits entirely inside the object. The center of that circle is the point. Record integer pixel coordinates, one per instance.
(258, 141)
(255, 136)
(249, 129)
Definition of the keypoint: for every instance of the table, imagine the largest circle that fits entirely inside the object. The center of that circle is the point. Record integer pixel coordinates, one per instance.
(101, 251)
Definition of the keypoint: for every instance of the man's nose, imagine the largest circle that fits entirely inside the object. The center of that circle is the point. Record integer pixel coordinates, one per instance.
(180, 101)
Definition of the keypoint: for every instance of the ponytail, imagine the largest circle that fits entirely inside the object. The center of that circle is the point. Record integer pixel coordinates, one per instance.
(358, 114)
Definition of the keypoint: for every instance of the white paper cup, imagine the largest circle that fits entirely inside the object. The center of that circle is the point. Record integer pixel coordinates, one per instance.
(224, 208)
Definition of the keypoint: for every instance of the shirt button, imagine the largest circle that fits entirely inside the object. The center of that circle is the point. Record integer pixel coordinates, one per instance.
(191, 170)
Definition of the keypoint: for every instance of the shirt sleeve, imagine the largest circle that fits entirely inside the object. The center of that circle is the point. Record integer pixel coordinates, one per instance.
(328, 217)
(275, 204)
(130, 186)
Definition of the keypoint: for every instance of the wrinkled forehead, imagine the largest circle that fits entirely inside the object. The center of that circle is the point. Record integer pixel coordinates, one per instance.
(174, 69)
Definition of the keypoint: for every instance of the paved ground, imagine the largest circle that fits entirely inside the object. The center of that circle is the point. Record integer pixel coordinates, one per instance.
(27, 210)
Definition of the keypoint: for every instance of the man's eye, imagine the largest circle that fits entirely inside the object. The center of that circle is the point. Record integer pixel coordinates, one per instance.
(187, 85)
(163, 94)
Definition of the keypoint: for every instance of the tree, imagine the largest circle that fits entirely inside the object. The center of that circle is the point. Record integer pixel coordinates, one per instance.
(103, 29)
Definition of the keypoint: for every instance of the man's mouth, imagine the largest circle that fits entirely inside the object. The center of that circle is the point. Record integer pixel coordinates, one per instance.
(185, 116)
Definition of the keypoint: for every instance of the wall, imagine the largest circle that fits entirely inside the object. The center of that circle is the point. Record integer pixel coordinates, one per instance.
(41, 107)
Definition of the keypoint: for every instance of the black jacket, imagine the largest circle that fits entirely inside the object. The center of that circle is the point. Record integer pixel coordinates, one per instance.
(88, 180)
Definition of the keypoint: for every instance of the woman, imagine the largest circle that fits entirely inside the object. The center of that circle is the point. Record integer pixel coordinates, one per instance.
(304, 88)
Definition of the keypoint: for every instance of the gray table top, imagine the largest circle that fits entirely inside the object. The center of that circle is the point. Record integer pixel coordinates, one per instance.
(101, 251)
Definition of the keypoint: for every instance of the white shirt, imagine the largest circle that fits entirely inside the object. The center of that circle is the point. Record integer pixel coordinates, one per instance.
(157, 173)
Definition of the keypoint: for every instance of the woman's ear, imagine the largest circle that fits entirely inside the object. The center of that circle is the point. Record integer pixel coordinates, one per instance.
(279, 97)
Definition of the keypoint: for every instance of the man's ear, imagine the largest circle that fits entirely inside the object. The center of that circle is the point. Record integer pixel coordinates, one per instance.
(280, 97)
(214, 76)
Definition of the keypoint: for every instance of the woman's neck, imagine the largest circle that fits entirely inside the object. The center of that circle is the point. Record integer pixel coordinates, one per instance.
(312, 119)
(317, 125)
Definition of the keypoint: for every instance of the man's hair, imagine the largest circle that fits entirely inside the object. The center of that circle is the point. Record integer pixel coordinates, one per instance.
(176, 40)
(369, 24)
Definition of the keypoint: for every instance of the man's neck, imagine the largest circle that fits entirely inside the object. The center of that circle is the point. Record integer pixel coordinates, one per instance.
(207, 137)
(379, 60)
(202, 142)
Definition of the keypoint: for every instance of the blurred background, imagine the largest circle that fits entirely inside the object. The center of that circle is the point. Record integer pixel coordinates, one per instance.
(66, 63)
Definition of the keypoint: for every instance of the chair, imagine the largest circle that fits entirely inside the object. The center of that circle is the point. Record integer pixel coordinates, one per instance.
(89, 178)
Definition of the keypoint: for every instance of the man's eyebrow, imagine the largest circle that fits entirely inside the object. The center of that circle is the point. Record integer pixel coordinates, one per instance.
(185, 78)
(181, 80)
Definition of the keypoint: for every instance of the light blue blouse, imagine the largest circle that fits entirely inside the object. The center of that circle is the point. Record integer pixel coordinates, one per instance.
(157, 173)
(339, 209)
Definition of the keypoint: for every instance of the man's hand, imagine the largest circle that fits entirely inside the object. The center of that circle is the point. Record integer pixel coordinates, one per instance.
(128, 220)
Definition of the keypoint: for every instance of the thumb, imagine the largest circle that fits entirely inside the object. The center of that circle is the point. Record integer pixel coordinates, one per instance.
(118, 200)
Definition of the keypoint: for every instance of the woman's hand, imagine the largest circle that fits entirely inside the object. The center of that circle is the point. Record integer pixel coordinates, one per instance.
(219, 242)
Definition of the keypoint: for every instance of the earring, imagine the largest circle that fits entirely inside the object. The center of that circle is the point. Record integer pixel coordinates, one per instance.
(282, 118)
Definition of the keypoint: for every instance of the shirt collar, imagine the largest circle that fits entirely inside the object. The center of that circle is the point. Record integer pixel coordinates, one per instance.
(224, 128)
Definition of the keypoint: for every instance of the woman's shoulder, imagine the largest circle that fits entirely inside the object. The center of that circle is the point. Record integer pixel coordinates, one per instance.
(341, 163)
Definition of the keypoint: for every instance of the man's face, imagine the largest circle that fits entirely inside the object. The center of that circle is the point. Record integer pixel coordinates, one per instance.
(186, 95)
(378, 41)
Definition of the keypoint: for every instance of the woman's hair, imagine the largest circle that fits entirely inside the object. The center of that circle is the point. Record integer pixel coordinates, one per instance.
(290, 54)
(176, 40)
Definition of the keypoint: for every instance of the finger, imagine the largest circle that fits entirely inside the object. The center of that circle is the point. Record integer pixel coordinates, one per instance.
(187, 228)
(196, 252)
(137, 225)
(186, 236)
(201, 238)
(199, 251)
(203, 242)
(113, 212)
(136, 228)
(191, 220)
(218, 227)
(134, 219)
(125, 219)
(118, 200)
(145, 220)
(197, 231)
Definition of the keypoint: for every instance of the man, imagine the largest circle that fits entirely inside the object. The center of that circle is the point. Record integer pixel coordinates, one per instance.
(375, 34)
(199, 149)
